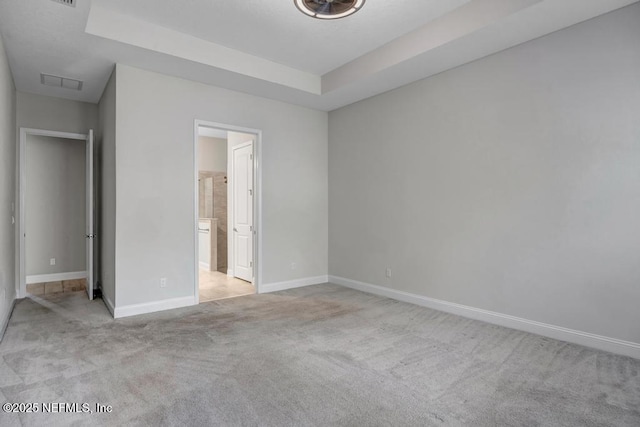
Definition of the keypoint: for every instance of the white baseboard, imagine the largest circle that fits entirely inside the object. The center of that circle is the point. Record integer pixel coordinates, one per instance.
(56, 277)
(229, 272)
(298, 283)
(4, 322)
(151, 307)
(613, 345)
(204, 265)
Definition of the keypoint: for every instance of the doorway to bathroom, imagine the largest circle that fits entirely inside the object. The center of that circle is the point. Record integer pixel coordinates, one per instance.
(226, 204)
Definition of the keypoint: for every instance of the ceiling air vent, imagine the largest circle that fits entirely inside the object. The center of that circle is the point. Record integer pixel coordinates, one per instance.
(71, 3)
(57, 81)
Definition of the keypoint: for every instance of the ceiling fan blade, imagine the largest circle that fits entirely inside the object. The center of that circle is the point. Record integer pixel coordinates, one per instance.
(324, 9)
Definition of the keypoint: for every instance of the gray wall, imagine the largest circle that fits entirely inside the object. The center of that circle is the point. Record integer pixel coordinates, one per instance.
(212, 154)
(510, 184)
(63, 115)
(107, 212)
(55, 205)
(155, 182)
(7, 187)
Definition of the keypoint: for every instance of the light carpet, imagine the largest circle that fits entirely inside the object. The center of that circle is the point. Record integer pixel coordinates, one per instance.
(316, 356)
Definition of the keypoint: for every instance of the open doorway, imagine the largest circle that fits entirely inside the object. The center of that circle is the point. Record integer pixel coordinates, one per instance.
(55, 241)
(226, 205)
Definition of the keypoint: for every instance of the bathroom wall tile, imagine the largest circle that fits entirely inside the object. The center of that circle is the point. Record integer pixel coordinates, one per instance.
(220, 187)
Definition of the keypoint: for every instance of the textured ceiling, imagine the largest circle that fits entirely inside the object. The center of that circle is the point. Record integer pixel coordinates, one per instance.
(269, 48)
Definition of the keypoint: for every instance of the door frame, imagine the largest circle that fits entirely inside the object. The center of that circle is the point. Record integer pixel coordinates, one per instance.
(257, 205)
(21, 283)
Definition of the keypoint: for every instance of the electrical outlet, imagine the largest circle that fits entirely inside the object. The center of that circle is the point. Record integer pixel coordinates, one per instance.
(293, 266)
(52, 261)
(388, 272)
(163, 282)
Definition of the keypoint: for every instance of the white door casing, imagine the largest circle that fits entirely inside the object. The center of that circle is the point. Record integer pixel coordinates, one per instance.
(242, 221)
(90, 236)
(21, 229)
(256, 138)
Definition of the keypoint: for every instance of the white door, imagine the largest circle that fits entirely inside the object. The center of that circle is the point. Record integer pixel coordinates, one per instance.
(90, 236)
(242, 182)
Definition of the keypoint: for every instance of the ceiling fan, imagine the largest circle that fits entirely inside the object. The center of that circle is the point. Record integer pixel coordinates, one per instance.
(329, 9)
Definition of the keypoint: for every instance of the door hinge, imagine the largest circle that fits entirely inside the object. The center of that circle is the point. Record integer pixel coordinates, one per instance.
(250, 156)
(250, 263)
(250, 192)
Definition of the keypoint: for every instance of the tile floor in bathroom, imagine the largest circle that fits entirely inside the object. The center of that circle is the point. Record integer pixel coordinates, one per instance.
(215, 285)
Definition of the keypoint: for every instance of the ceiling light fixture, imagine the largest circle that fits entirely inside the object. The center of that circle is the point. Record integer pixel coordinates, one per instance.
(329, 9)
